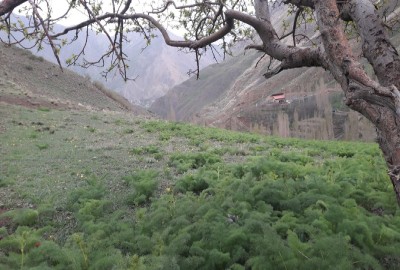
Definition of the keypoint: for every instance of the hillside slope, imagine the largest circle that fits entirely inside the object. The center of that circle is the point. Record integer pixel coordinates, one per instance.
(28, 80)
(188, 98)
(110, 190)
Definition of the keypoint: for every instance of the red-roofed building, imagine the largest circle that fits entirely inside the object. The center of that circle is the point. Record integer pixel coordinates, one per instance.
(280, 98)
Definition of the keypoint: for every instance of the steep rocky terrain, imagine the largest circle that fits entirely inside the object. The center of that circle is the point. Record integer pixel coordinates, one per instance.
(236, 96)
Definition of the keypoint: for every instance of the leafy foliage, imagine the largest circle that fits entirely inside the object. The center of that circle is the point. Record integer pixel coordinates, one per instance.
(216, 200)
(185, 162)
(144, 184)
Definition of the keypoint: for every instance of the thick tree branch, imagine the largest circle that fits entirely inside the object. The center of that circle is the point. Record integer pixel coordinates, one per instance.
(128, 17)
(7, 6)
(342, 63)
(262, 10)
(292, 57)
(377, 47)
(126, 7)
(258, 47)
(300, 3)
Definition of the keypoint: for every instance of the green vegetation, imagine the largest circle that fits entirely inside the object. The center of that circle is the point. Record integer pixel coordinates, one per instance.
(44, 109)
(142, 194)
(144, 184)
(42, 146)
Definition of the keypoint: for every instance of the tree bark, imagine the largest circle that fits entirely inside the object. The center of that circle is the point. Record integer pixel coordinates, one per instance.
(378, 101)
(7, 6)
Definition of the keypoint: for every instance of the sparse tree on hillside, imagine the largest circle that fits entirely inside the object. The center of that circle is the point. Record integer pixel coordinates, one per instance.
(376, 97)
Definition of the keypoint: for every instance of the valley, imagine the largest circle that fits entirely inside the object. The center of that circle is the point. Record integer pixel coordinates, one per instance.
(87, 183)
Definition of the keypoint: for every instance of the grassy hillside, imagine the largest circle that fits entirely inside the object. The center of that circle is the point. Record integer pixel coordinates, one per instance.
(105, 190)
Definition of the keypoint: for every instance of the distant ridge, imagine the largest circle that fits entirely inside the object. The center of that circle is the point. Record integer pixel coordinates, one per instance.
(155, 68)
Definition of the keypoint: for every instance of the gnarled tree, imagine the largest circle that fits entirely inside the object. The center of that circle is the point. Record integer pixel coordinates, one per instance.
(377, 97)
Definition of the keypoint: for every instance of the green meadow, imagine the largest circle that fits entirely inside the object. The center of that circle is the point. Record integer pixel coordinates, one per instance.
(109, 190)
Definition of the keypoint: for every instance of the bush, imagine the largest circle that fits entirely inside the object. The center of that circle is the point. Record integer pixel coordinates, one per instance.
(145, 183)
(185, 162)
(42, 146)
(94, 190)
(150, 149)
(193, 183)
(23, 217)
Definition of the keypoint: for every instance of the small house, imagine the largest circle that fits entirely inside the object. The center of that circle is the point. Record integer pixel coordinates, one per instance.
(279, 98)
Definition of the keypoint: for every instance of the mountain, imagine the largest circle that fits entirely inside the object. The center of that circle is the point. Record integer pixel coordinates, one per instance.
(155, 68)
(235, 95)
(183, 101)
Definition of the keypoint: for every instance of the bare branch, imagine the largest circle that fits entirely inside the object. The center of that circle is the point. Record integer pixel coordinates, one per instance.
(261, 58)
(298, 12)
(120, 58)
(168, 3)
(300, 3)
(258, 47)
(46, 31)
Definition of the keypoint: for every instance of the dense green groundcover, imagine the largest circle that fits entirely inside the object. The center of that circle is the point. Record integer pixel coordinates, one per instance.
(283, 204)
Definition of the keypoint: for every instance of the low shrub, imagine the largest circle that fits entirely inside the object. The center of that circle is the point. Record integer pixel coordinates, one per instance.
(23, 216)
(186, 161)
(144, 183)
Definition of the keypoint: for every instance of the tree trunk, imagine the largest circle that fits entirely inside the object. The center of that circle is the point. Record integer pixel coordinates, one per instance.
(383, 57)
(379, 101)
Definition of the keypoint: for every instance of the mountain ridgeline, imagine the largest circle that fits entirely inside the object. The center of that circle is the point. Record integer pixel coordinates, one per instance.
(153, 68)
(235, 95)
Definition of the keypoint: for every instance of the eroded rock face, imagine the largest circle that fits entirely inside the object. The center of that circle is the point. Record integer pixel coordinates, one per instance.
(319, 114)
(315, 108)
(235, 95)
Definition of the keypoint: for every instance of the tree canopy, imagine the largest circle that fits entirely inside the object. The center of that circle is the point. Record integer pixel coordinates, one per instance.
(376, 97)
